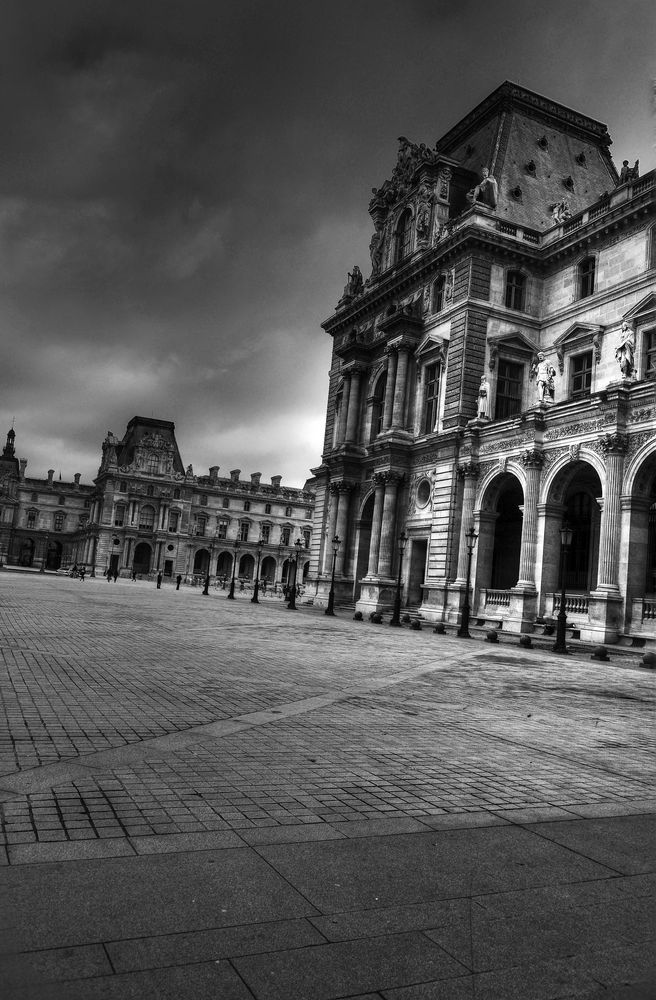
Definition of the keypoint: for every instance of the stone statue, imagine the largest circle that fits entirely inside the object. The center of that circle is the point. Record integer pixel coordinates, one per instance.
(376, 250)
(625, 351)
(484, 401)
(561, 211)
(544, 374)
(628, 173)
(190, 470)
(355, 281)
(486, 192)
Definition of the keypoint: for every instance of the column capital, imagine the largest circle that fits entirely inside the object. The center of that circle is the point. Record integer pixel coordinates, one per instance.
(341, 486)
(614, 444)
(532, 458)
(384, 476)
(353, 368)
(471, 470)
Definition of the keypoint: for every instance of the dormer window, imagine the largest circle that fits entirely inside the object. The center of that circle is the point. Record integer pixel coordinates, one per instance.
(403, 237)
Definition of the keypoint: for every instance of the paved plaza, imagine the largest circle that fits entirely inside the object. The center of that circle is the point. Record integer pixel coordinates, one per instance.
(204, 798)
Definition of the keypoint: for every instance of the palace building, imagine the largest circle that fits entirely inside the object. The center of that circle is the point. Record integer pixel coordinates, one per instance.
(495, 374)
(146, 513)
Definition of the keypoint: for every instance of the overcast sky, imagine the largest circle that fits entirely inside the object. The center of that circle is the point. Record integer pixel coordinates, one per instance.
(184, 186)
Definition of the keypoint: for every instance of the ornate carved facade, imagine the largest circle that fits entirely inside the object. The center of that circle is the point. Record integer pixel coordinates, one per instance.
(496, 369)
(146, 513)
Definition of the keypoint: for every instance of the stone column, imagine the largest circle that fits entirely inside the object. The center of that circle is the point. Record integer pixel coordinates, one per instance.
(331, 529)
(392, 359)
(398, 411)
(614, 448)
(376, 523)
(341, 424)
(343, 490)
(353, 405)
(533, 461)
(469, 473)
(388, 530)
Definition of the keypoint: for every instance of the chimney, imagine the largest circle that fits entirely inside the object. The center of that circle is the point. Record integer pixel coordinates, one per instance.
(275, 482)
(76, 477)
(51, 473)
(234, 475)
(214, 473)
(23, 466)
(255, 479)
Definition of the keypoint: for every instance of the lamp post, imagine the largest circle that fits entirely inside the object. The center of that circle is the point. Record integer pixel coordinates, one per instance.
(206, 588)
(560, 645)
(255, 599)
(231, 592)
(396, 613)
(463, 631)
(45, 552)
(292, 600)
(330, 610)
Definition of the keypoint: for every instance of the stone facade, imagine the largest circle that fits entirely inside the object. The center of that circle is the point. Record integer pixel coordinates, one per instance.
(146, 513)
(523, 284)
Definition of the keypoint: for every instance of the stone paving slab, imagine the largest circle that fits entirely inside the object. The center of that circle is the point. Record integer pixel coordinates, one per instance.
(286, 793)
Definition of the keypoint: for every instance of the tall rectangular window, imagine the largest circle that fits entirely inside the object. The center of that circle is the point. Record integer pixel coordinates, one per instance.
(243, 531)
(587, 277)
(650, 342)
(581, 375)
(223, 529)
(431, 397)
(285, 536)
(515, 288)
(265, 533)
(173, 520)
(510, 382)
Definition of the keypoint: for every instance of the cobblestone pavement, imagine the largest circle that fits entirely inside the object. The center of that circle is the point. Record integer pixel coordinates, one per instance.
(203, 798)
(399, 723)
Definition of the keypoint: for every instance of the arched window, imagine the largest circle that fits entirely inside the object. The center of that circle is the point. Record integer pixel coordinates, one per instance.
(403, 237)
(176, 494)
(438, 293)
(247, 505)
(267, 508)
(587, 277)
(288, 512)
(225, 502)
(147, 517)
(515, 290)
(377, 406)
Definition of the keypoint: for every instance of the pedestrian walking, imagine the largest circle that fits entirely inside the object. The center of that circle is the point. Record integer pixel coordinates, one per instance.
(115, 575)
(82, 571)
(159, 581)
(178, 581)
(108, 574)
(134, 576)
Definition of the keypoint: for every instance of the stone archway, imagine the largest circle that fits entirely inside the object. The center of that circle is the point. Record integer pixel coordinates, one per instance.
(201, 562)
(268, 570)
(500, 534)
(224, 564)
(364, 543)
(574, 496)
(54, 555)
(638, 556)
(142, 557)
(247, 566)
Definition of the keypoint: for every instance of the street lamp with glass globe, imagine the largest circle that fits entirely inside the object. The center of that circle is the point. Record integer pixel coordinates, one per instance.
(255, 598)
(231, 593)
(396, 613)
(330, 610)
(298, 545)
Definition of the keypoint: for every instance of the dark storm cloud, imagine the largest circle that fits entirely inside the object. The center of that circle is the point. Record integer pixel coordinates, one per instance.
(184, 185)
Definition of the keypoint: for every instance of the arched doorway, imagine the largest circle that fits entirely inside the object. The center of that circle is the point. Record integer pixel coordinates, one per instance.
(247, 566)
(224, 564)
(268, 569)
(26, 553)
(364, 543)
(638, 558)
(141, 560)
(287, 572)
(54, 555)
(201, 562)
(573, 497)
(500, 534)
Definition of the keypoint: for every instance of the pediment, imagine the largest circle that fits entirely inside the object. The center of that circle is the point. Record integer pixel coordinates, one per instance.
(578, 332)
(514, 344)
(643, 311)
(430, 343)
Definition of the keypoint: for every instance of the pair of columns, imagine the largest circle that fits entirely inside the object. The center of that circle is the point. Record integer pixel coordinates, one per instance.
(394, 405)
(614, 448)
(383, 525)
